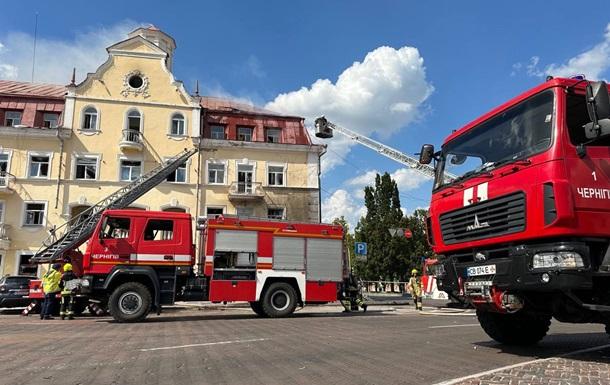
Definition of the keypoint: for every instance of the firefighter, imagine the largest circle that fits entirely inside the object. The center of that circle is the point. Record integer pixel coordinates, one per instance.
(69, 285)
(50, 287)
(352, 295)
(415, 288)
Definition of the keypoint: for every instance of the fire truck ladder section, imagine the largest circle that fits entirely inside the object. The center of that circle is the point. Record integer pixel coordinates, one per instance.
(78, 229)
(325, 129)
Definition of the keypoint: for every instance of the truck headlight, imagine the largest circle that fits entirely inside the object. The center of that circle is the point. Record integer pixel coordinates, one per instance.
(558, 260)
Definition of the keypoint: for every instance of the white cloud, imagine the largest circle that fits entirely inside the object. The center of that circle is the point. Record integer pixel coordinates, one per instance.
(349, 202)
(593, 63)
(55, 58)
(341, 203)
(381, 94)
(406, 179)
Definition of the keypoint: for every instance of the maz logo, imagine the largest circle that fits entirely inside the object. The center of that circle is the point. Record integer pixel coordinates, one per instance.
(477, 225)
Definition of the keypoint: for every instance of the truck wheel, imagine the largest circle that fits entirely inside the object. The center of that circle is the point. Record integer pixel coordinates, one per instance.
(257, 308)
(130, 302)
(514, 329)
(279, 300)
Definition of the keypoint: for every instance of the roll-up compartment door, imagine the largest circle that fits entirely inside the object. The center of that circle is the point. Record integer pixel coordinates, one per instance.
(289, 253)
(324, 258)
(231, 240)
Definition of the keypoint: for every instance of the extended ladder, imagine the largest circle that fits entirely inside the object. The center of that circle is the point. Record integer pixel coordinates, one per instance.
(78, 229)
(324, 129)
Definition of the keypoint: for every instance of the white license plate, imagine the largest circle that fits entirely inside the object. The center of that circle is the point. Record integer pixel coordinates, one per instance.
(481, 270)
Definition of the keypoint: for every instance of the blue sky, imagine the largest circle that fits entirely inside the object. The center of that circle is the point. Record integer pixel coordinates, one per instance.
(447, 62)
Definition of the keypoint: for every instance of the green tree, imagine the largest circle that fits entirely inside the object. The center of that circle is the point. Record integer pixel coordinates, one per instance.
(349, 237)
(389, 257)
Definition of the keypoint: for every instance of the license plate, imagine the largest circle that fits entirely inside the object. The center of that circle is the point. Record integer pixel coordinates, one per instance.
(481, 270)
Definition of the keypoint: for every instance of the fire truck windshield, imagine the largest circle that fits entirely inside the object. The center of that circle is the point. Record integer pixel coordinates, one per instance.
(516, 133)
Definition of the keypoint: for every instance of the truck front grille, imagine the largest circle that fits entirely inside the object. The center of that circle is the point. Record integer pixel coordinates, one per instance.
(494, 217)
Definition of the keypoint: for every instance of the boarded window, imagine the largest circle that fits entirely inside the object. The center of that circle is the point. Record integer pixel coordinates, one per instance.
(324, 258)
(288, 253)
(231, 240)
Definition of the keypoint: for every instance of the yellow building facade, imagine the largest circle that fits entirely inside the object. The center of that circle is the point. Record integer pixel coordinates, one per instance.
(122, 121)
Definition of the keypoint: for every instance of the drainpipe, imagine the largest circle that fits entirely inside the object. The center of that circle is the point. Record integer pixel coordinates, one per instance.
(320, 183)
(61, 157)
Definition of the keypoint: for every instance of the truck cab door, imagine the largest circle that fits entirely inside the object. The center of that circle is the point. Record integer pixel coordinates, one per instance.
(115, 243)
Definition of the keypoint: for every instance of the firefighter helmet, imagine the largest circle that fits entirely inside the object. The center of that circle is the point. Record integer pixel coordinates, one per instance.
(414, 272)
(68, 267)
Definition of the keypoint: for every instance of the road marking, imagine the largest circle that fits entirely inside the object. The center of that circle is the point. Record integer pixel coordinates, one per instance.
(508, 367)
(204, 344)
(452, 326)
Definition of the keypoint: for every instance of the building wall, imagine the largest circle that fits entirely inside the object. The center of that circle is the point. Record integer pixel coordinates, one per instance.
(106, 91)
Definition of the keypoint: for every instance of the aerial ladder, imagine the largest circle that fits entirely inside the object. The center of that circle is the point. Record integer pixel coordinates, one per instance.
(78, 229)
(325, 129)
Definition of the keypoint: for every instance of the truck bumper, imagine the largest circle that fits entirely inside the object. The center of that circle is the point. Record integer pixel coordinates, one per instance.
(510, 270)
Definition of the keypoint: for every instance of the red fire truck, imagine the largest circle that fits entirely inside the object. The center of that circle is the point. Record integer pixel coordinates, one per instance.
(524, 230)
(137, 261)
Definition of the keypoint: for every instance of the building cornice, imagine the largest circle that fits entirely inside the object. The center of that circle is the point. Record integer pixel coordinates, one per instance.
(261, 146)
(31, 132)
(139, 102)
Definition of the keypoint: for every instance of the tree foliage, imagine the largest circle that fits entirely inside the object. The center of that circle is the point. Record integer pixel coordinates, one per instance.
(389, 257)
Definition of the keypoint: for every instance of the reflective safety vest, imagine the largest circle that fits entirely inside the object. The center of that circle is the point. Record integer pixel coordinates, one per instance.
(50, 281)
(415, 286)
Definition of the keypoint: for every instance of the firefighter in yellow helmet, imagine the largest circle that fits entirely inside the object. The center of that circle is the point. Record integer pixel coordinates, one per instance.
(415, 288)
(69, 284)
(50, 287)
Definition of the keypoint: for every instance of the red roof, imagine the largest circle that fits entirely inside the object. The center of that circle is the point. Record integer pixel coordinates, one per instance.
(40, 90)
(226, 105)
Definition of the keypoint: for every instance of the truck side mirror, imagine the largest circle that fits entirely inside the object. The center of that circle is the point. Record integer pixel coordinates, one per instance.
(598, 103)
(598, 107)
(426, 154)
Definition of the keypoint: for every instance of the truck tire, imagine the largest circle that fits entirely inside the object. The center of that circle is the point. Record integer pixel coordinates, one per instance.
(279, 300)
(257, 308)
(130, 302)
(514, 329)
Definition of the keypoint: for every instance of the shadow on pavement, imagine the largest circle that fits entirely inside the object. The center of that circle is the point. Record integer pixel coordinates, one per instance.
(209, 317)
(552, 345)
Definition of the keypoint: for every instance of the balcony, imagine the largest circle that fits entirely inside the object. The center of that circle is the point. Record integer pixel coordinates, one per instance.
(5, 241)
(131, 140)
(6, 183)
(246, 191)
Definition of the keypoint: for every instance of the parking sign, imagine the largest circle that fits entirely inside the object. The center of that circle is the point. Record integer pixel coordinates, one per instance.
(360, 248)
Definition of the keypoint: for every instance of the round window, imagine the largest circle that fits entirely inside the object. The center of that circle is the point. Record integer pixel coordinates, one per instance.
(135, 81)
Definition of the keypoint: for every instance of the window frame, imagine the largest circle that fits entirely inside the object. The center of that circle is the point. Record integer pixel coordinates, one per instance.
(2, 212)
(9, 152)
(224, 163)
(224, 131)
(186, 173)
(76, 157)
(126, 121)
(284, 167)
(18, 256)
(44, 214)
(223, 208)
(172, 118)
(32, 154)
(277, 208)
(44, 119)
(239, 128)
(6, 118)
(276, 129)
(84, 113)
(121, 160)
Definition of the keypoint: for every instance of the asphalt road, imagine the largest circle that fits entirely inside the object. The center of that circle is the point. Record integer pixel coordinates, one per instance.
(316, 346)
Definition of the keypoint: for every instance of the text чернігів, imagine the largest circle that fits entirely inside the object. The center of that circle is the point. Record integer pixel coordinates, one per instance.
(593, 193)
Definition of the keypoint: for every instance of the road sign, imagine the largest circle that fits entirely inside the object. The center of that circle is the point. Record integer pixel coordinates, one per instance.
(360, 248)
